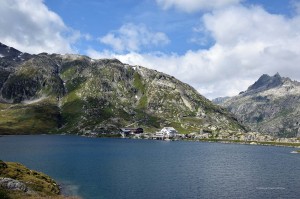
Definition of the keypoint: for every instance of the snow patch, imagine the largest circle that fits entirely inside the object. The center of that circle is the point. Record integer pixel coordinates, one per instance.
(1, 55)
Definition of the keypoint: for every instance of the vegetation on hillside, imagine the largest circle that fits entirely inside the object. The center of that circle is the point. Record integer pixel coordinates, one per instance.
(75, 94)
(39, 184)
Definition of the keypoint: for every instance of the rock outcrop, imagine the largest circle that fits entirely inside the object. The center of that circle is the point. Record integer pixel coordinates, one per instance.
(12, 185)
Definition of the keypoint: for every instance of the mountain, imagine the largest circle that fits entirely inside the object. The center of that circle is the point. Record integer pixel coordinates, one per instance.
(75, 94)
(220, 100)
(270, 105)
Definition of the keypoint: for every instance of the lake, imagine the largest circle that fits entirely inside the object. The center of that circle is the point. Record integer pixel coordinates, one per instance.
(96, 168)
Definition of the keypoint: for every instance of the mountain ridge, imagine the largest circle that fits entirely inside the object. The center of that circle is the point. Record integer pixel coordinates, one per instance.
(77, 94)
(270, 105)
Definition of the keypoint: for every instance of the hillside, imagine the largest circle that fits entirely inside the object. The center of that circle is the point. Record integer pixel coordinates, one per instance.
(20, 182)
(270, 105)
(75, 94)
(17, 181)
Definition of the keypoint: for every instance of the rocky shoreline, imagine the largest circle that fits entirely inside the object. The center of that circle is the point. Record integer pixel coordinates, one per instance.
(279, 144)
(251, 138)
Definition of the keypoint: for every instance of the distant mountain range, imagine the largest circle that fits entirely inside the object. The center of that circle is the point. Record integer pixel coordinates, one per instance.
(271, 105)
(76, 94)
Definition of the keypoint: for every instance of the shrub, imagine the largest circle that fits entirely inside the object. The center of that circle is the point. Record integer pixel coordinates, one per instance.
(4, 194)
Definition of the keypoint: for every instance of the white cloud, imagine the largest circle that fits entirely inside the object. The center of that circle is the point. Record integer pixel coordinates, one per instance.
(195, 5)
(30, 26)
(296, 5)
(131, 37)
(248, 43)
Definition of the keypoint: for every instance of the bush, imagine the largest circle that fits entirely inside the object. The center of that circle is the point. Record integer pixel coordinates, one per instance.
(2, 166)
(4, 194)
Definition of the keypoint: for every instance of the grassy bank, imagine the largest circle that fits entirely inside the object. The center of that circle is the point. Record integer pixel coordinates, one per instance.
(39, 184)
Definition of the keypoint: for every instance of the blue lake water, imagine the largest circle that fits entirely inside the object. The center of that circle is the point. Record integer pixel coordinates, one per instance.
(95, 168)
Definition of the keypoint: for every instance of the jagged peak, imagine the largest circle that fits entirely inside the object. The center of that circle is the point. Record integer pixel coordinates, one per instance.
(12, 54)
(6, 51)
(266, 82)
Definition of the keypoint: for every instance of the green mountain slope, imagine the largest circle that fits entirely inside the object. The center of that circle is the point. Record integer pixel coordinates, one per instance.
(76, 94)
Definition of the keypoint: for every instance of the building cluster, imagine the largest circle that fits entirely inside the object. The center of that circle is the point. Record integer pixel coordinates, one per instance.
(170, 133)
(165, 133)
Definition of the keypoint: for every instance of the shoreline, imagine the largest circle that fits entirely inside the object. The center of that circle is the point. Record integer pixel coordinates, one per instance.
(209, 140)
(255, 143)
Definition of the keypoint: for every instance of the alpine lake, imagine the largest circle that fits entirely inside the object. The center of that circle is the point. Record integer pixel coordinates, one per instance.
(95, 168)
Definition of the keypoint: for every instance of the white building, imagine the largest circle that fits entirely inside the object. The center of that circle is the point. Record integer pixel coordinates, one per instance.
(158, 135)
(169, 132)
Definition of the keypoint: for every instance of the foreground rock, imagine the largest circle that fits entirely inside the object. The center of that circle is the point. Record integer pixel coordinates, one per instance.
(12, 185)
(17, 181)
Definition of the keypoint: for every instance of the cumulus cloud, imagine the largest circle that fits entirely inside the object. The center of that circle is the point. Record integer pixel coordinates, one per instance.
(252, 40)
(248, 42)
(296, 5)
(131, 37)
(30, 26)
(195, 5)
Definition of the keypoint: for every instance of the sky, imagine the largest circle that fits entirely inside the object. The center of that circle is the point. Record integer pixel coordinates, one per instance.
(220, 47)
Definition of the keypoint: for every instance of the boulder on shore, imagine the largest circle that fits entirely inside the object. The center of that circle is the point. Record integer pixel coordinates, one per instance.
(11, 184)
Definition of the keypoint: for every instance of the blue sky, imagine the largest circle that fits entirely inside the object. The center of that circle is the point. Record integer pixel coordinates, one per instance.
(219, 47)
(99, 17)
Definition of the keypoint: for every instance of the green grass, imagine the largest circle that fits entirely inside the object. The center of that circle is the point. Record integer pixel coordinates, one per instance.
(138, 82)
(71, 113)
(182, 130)
(75, 83)
(42, 185)
(28, 119)
(143, 102)
(68, 73)
(38, 182)
(4, 194)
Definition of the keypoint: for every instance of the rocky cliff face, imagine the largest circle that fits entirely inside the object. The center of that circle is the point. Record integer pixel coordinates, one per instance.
(75, 94)
(270, 105)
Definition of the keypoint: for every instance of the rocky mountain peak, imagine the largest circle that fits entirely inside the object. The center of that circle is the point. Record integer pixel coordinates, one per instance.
(265, 82)
(6, 51)
(270, 105)
(12, 54)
